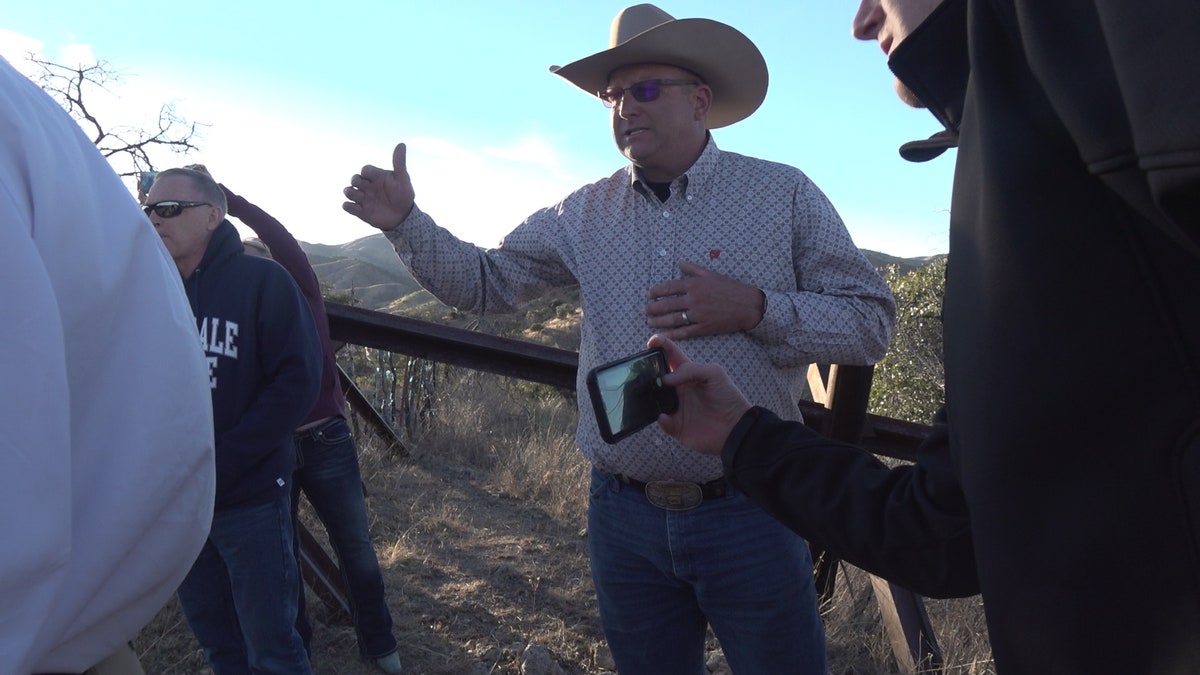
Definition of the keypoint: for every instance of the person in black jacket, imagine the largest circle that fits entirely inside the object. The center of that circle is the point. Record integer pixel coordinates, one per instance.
(265, 371)
(1064, 474)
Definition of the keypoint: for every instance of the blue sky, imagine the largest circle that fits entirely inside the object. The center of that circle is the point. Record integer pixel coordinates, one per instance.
(297, 98)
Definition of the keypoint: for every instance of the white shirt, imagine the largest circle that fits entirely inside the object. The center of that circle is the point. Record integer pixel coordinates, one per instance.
(106, 466)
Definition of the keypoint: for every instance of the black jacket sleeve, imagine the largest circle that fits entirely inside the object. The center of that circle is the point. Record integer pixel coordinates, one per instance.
(907, 524)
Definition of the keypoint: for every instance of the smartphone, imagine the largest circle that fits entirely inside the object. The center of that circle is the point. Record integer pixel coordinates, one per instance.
(629, 393)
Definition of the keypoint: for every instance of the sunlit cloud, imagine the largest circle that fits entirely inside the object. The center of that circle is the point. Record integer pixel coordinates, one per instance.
(482, 194)
(296, 171)
(533, 149)
(15, 48)
(76, 55)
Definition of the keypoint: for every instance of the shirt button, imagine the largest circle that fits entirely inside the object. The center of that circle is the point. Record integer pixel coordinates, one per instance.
(689, 198)
(666, 214)
(662, 252)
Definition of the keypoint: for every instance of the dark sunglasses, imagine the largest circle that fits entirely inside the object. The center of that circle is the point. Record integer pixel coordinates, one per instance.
(170, 208)
(643, 92)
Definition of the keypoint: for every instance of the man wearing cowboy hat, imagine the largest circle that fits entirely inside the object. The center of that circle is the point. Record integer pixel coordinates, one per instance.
(743, 260)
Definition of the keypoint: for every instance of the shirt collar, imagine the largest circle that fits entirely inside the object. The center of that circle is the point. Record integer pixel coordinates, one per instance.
(695, 178)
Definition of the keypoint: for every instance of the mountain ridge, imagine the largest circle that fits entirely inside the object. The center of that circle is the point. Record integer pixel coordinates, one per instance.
(369, 270)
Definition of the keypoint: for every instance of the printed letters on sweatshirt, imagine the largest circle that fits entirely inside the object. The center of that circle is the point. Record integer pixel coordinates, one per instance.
(219, 338)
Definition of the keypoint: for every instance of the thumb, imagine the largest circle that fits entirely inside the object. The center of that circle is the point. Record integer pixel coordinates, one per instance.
(692, 270)
(399, 158)
(675, 354)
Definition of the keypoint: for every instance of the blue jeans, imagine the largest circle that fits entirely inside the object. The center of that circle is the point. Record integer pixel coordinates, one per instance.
(661, 576)
(240, 596)
(327, 471)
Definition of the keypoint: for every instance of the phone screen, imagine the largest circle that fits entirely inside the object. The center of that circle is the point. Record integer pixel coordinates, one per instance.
(629, 394)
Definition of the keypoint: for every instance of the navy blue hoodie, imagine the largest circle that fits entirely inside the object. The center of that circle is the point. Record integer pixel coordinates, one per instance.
(264, 365)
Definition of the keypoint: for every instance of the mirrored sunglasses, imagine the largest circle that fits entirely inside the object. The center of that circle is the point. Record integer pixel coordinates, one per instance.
(170, 208)
(643, 92)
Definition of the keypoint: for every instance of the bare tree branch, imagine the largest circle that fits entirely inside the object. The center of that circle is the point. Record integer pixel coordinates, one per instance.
(74, 88)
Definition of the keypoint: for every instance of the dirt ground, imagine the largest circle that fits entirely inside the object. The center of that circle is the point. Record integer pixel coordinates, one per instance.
(481, 538)
(473, 577)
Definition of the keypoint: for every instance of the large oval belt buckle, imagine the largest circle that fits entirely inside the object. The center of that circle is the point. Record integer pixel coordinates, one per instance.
(674, 495)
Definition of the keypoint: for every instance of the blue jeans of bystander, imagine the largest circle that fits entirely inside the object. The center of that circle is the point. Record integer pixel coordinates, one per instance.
(662, 576)
(327, 471)
(240, 596)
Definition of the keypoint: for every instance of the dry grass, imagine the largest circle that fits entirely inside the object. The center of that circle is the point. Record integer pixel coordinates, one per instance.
(480, 532)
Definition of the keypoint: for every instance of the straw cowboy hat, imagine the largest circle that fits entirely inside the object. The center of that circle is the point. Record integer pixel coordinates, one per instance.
(727, 60)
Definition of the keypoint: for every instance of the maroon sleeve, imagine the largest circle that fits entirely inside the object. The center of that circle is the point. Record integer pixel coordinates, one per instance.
(285, 250)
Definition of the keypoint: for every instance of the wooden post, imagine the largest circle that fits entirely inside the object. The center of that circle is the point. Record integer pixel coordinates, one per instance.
(913, 643)
(847, 391)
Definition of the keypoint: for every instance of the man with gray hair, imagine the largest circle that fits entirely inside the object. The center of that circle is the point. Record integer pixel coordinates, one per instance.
(264, 365)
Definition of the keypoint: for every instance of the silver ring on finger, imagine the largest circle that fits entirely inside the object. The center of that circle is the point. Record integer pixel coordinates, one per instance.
(683, 314)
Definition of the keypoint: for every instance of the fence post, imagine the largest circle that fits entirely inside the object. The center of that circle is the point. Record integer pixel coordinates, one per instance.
(847, 390)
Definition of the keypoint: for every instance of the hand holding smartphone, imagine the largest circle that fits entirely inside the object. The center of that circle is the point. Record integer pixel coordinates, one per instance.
(628, 394)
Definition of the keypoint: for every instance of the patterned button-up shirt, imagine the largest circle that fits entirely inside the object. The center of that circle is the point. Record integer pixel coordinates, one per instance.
(759, 222)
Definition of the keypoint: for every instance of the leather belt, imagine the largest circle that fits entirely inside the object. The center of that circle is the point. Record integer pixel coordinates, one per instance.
(673, 495)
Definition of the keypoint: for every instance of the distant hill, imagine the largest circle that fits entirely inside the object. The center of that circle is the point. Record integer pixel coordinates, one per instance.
(370, 270)
(367, 268)
(881, 260)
